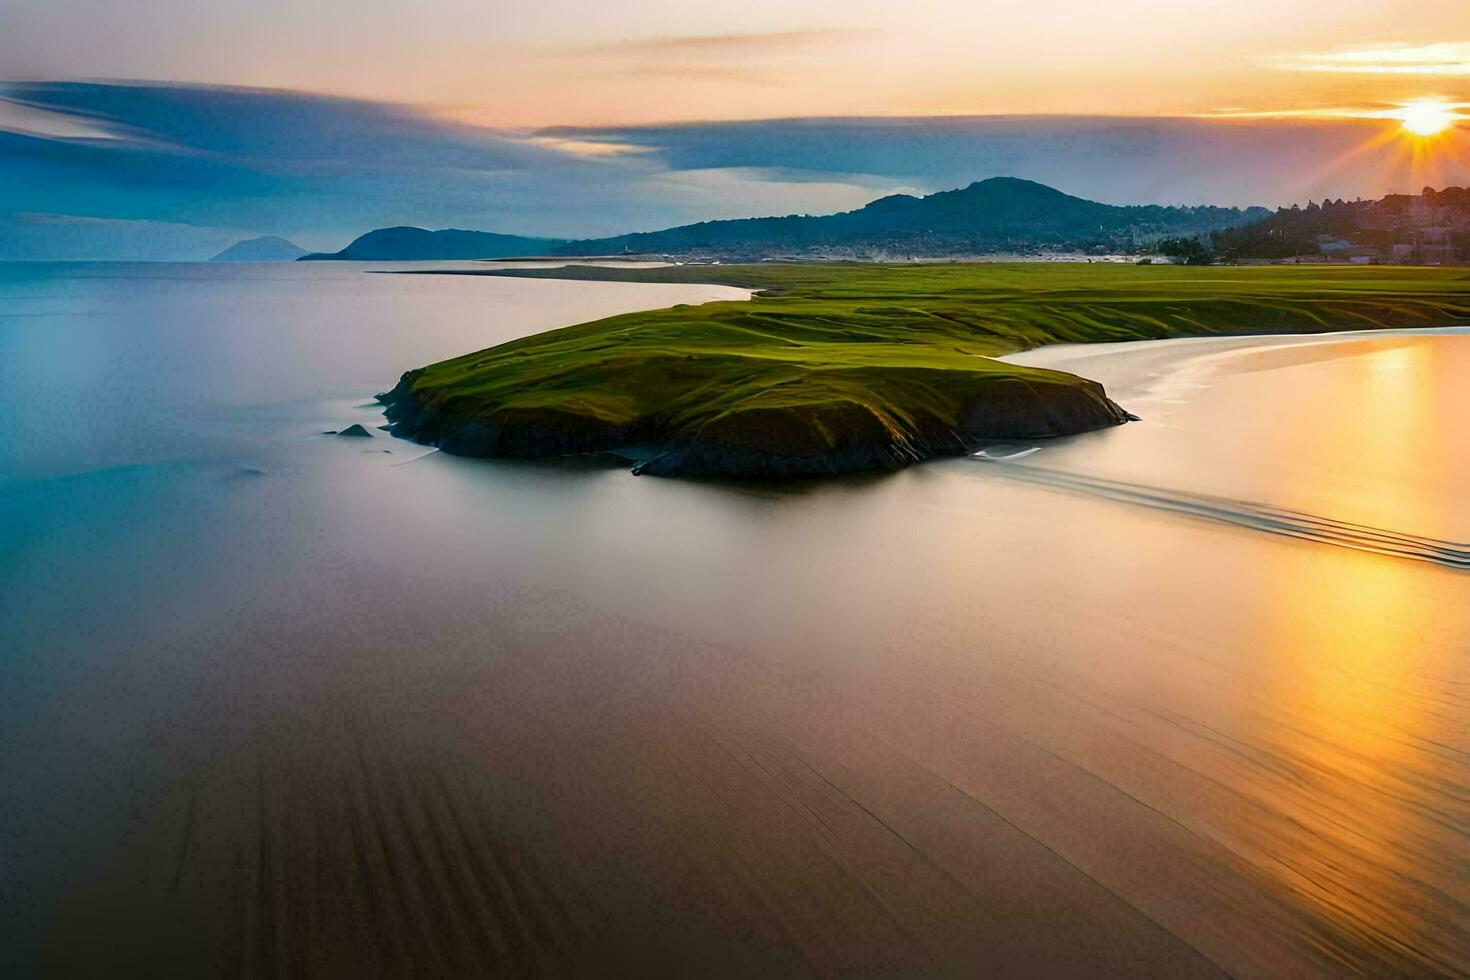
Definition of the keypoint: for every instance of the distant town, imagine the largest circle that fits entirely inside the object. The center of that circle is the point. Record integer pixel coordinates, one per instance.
(1429, 228)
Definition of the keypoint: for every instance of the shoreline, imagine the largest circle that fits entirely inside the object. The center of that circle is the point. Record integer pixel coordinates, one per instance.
(839, 368)
(821, 440)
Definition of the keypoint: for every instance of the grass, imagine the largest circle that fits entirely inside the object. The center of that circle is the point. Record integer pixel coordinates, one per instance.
(851, 366)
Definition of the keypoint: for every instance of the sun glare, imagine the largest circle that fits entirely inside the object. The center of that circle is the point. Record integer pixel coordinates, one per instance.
(1427, 117)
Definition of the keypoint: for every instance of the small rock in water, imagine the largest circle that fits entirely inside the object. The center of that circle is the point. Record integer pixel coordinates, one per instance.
(356, 431)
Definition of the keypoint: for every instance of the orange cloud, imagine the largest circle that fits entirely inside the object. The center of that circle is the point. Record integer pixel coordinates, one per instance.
(727, 45)
(1444, 58)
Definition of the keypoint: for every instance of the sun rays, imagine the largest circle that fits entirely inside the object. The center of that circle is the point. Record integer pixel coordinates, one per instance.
(1406, 146)
(1427, 117)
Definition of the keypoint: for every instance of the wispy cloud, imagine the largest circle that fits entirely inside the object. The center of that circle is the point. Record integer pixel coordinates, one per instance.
(283, 162)
(587, 148)
(16, 117)
(1337, 113)
(1443, 58)
(1365, 112)
(756, 58)
(695, 72)
(725, 45)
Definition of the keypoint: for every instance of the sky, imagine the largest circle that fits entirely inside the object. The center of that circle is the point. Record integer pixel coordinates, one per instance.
(164, 127)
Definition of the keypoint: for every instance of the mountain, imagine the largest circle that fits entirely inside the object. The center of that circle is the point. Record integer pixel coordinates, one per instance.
(407, 244)
(1001, 214)
(267, 248)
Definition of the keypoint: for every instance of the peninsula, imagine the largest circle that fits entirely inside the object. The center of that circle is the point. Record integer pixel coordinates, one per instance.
(839, 368)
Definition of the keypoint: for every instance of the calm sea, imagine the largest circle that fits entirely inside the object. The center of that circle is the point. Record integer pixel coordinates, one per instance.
(1184, 697)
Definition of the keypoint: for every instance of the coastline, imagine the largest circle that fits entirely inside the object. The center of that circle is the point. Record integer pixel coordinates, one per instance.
(840, 368)
(829, 438)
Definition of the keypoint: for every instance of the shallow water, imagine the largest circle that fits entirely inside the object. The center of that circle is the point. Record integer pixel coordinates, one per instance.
(1149, 701)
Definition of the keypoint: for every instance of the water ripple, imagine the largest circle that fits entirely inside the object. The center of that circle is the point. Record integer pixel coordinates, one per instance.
(1244, 513)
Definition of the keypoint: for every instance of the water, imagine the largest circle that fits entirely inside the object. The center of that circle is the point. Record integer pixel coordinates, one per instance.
(1152, 700)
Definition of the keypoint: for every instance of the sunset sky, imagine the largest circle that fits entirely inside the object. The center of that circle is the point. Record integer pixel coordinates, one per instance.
(570, 118)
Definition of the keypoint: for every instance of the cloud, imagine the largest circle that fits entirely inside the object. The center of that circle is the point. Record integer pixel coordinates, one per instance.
(282, 126)
(1119, 160)
(725, 45)
(1396, 111)
(18, 118)
(317, 168)
(587, 148)
(744, 74)
(1444, 58)
(755, 58)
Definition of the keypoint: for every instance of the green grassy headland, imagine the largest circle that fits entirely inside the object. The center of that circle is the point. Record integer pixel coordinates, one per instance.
(843, 367)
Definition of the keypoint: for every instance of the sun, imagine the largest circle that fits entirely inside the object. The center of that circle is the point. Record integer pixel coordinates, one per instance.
(1426, 117)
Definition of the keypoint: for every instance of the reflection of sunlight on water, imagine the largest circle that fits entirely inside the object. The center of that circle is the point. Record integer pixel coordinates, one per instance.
(1353, 809)
(1320, 734)
(1357, 428)
(1401, 432)
(1340, 740)
(1341, 743)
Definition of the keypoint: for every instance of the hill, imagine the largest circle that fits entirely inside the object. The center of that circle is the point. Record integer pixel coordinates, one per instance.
(267, 248)
(1001, 214)
(1433, 226)
(408, 244)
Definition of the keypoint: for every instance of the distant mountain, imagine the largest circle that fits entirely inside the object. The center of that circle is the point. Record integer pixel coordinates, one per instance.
(267, 248)
(1002, 214)
(407, 244)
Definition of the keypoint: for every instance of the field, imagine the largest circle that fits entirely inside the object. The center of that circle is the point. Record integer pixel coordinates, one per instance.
(842, 367)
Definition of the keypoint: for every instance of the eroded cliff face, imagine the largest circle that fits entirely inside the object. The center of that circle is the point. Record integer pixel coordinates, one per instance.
(816, 438)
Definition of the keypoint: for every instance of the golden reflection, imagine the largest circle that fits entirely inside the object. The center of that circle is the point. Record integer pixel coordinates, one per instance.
(1346, 733)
